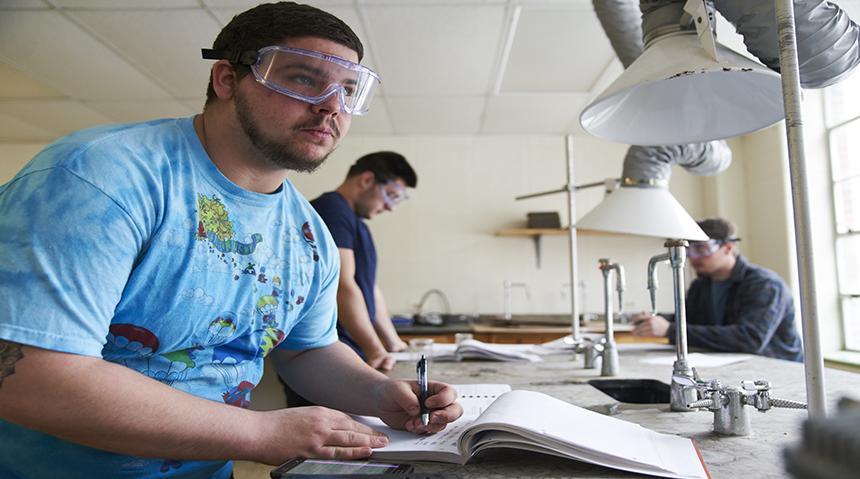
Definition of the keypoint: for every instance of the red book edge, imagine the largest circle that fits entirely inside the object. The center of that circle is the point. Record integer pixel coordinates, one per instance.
(701, 459)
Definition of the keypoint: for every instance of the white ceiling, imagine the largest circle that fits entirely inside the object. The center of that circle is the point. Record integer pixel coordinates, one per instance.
(448, 67)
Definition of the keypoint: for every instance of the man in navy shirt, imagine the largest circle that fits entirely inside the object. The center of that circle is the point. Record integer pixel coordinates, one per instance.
(732, 305)
(376, 183)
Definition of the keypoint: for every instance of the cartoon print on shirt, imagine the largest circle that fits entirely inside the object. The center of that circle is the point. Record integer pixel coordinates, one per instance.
(227, 358)
(240, 395)
(179, 363)
(235, 340)
(128, 342)
(308, 235)
(215, 226)
(222, 328)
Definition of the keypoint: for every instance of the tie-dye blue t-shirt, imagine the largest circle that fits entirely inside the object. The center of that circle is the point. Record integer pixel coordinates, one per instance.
(127, 243)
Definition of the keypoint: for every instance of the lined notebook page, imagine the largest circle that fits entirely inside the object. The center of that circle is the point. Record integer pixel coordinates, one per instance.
(474, 398)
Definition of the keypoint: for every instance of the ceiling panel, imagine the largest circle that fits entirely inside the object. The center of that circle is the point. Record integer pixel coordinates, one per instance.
(126, 4)
(59, 117)
(14, 129)
(456, 3)
(436, 116)
(17, 85)
(78, 66)
(532, 114)
(435, 51)
(376, 122)
(239, 5)
(556, 49)
(141, 110)
(171, 52)
(17, 4)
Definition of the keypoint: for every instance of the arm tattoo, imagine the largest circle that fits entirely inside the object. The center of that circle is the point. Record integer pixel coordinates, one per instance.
(10, 353)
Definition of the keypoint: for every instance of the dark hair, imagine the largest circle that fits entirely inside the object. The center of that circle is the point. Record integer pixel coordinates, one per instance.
(386, 166)
(270, 23)
(719, 229)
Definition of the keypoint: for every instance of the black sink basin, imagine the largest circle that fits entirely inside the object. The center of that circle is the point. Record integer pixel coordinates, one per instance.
(439, 319)
(637, 391)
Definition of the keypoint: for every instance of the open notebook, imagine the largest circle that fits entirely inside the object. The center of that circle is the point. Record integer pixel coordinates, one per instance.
(474, 349)
(496, 417)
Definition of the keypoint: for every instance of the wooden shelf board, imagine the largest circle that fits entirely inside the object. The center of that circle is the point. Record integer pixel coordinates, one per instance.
(531, 231)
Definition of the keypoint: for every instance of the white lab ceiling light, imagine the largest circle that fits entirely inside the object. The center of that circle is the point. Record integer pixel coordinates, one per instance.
(643, 211)
(675, 93)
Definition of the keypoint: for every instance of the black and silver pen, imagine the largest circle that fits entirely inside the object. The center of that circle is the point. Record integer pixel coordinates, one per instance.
(422, 389)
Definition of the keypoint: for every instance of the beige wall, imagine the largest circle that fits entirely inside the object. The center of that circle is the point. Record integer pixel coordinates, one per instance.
(443, 237)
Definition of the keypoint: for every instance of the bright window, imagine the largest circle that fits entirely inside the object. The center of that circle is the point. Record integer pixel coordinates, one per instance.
(842, 109)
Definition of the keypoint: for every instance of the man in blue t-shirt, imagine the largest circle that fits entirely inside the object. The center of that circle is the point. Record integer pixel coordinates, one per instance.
(732, 305)
(146, 271)
(376, 183)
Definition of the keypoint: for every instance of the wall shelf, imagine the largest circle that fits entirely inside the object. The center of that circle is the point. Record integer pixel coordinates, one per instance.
(535, 233)
(531, 232)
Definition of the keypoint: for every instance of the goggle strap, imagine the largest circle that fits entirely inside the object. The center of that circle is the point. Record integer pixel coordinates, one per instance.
(242, 58)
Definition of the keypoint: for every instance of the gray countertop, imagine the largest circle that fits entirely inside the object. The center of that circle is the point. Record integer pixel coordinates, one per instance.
(758, 455)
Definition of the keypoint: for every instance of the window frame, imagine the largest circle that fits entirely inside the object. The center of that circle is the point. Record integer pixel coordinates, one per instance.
(842, 297)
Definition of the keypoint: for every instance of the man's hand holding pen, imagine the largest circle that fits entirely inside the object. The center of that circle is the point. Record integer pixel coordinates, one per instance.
(422, 390)
(400, 406)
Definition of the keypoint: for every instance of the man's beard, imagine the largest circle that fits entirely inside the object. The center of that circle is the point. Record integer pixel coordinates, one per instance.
(280, 154)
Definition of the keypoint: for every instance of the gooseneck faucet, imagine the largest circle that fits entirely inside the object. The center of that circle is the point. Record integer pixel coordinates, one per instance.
(652, 278)
(683, 390)
(610, 350)
(687, 391)
(508, 286)
(442, 298)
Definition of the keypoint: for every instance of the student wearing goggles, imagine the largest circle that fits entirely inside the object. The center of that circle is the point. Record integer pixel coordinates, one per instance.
(308, 76)
(732, 305)
(392, 193)
(374, 184)
(703, 249)
(239, 234)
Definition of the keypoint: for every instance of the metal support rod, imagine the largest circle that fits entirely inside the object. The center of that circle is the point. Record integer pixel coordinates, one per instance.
(678, 259)
(791, 94)
(571, 230)
(606, 270)
(563, 189)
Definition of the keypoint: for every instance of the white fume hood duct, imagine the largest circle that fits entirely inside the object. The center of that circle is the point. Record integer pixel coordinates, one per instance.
(643, 205)
(677, 92)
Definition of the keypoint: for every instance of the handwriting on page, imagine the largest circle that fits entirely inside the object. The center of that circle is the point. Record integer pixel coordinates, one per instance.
(446, 437)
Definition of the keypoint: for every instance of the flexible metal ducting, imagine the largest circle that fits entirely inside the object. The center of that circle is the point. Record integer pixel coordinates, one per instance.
(828, 50)
(621, 20)
(828, 42)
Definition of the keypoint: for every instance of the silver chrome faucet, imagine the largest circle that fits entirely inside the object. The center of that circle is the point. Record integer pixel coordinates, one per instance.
(610, 350)
(507, 298)
(652, 278)
(684, 380)
(429, 294)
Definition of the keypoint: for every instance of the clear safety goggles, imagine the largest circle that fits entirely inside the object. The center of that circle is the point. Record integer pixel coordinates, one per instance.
(308, 76)
(703, 249)
(392, 194)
